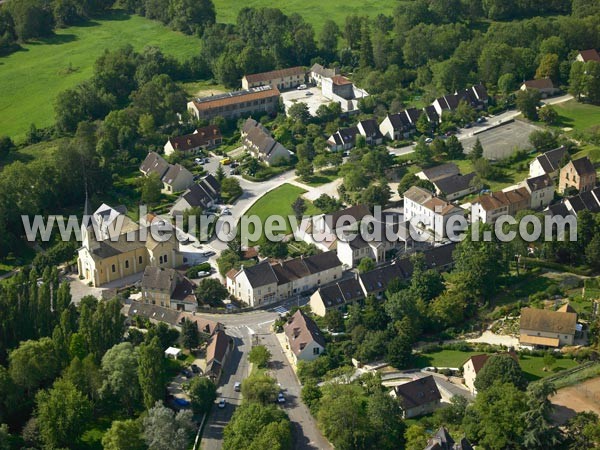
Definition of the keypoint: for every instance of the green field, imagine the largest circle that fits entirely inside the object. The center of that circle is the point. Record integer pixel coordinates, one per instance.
(31, 78)
(279, 202)
(579, 116)
(314, 11)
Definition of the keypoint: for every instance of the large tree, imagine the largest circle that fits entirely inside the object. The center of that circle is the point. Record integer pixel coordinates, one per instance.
(166, 430)
(151, 372)
(124, 435)
(120, 370)
(203, 393)
(255, 426)
(500, 368)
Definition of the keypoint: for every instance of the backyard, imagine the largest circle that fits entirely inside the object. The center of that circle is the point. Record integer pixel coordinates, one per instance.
(31, 78)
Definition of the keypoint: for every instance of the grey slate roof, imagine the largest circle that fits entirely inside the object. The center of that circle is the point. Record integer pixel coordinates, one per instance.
(418, 392)
(261, 274)
(550, 161)
(174, 171)
(443, 170)
(583, 166)
(455, 183)
(154, 312)
(154, 163)
(538, 183)
(300, 330)
(342, 292)
(158, 278)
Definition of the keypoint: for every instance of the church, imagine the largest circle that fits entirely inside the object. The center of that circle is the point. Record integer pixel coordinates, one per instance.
(114, 247)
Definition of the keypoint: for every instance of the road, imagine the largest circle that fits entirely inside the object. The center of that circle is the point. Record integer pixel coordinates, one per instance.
(241, 327)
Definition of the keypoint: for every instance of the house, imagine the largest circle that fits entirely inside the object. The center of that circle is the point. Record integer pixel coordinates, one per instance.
(217, 352)
(488, 208)
(303, 337)
(456, 186)
(417, 397)
(399, 126)
(343, 139)
(336, 296)
(318, 72)
(475, 96)
(202, 194)
(153, 313)
(437, 172)
(432, 114)
(370, 130)
(428, 212)
(167, 287)
(341, 90)
(541, 190)
(549, 163)
(578, 174)
(544, 85)
(442, 440)
(257, 141)
(267, 282)
(114, 247)
(544, 328)
(281, 79)
(202, 138)
(589, 201)
(471, 368)
(258, 100)
(376, 282)
(176, 179)
(588, 55)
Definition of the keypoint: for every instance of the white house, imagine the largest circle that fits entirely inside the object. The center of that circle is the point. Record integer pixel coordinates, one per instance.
(541, 189)
(432, 213)
(489, 207)
(548, 163)
(257, 141)
(303, 337)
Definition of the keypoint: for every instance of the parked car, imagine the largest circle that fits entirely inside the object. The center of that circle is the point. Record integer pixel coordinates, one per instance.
(234, 164)
(198, 160)
(281, 398)
(468, 125)
(195, 368)
(203, 274)
(301, 87)
(222, 403)
(428, 140)
(481, 120)
(208, 253)
(237, 387)
(308, 93)
(226, 161)
(234, 172)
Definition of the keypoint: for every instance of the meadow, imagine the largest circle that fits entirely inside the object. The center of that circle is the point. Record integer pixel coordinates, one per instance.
(314, 11)
(31, 78)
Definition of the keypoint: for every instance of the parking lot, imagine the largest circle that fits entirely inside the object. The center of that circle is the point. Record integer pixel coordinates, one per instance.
(499, 142)
(312, 100)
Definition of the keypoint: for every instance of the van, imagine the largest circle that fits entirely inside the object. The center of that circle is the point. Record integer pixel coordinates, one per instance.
(226, 161)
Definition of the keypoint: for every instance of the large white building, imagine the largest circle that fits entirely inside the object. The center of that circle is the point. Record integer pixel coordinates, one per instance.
(431, 213)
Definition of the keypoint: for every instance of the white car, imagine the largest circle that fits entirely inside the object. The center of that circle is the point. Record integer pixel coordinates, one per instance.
(196, 244)
(281, 398)
(203, 274)
(428, 141)
(301, 87)
(222, 403)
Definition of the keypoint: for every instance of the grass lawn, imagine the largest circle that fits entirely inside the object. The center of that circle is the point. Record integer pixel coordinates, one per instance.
(314, 11)
(31, 78)
(512, 175)
(533, 366)
(590, 151)
(578, 116)
(279, 202)
(202, 88)
(321, 177)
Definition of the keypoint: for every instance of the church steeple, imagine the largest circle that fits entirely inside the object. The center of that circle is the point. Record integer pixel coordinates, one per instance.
(88, 228)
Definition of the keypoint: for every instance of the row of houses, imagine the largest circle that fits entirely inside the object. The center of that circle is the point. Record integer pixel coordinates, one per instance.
(257, 141)
(201, 139)
(203, 194)
(174, 177)
(402, 125)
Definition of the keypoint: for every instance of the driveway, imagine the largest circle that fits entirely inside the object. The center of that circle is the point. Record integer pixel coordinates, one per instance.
(491, 338)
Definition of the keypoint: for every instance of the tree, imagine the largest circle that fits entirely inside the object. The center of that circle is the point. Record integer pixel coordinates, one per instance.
(191, 17)
(311, 395)
(583, 431)
(259, 355)
(259, 388)
(230, 189)
(33, 364)
(151, 189)
(220, 173)
(423, 126)
(6, 146)
(328, 37)
(327, 204)
(548, 114)
(454, 148)
(203, 393)
(120, 370)
(334, 320)
(540, 430)
(210, 291)
(375, 195)
(592, 252)
(543, 140)
(165, 430)
(32, 18)
(151, 372)
(578, 80)
(549, 360)
(423, 154)
(527, 102)
(298, 112)
(500, 369)
(548, 67)
(477, 151)
(365, 265)
(299, 207)
(62, 414)
(124, 435)
(506, 83)
(304, 169)
(416, 437)
(255, 426)
(274, 249)
(190, 336)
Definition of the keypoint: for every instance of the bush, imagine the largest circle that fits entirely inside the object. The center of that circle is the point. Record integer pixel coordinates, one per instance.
(192, 272)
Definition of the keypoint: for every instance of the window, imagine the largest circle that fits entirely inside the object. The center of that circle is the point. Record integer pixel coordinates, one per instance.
(127, 264)
(140, 260)
(114, 269)
(165, 258)
(316, 350)
(160, 260)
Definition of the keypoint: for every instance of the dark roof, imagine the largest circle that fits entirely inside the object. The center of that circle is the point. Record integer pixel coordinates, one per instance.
(342, 292)
(454, 183)
(443, 170)
(158, 278)
(478, 361)
(174, 171)
(212, 183)
(197, 196)
(205, 326)
(184, 291)
(260, 275)
(345, 135)
(377, 280)
(538, 183)
(358, 212)
(576, 203)
(418, 392)
(413, 114)
(550, 161)
(371, 128)
(399, 121)
(558, 209)
(583, 166)
(591, 201)
(322, 261)
(431, 113)
(301, 330)
(154, 163)
(480, 91)
(154, 312)
(217, 348)
(201, 137)
(590, 55)
(281, 73)
(440, 256)
(544, 320)
(542, 83)
(440, 440)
